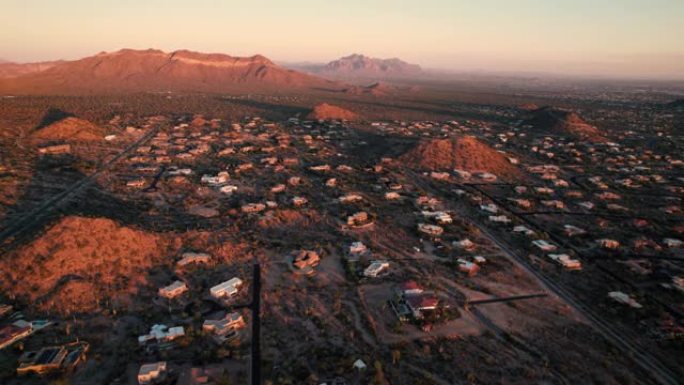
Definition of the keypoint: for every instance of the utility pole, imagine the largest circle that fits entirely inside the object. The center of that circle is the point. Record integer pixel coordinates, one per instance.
(256, 326)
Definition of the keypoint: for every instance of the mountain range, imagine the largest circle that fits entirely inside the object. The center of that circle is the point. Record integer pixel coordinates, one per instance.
(153, 70)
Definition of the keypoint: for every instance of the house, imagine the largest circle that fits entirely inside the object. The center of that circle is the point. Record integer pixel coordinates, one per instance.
(556, 204)
(55, 149)
(52, 358)
(173, 290)
(10, 334)
(543, 245)
(624, 298)
(409, 288)
(358, 219)
(376, 268)
(217, 180)
(587, 205)
(392, 196)
(162, 333)
(431, 230)
(462, 174)
(138, 183)
(253, 208)
(152, 373)
(229, 323)
(499, 219)
(332, 182)
(191, 257)
(479, 259)
(439, 175)
(305, 258)
(420, 303)
(544, 190)
(357, 250)
(566, 261)
(226, 289)
(464, 244)
(490, 208)
(572, 231)
(48, 359)
(523, 230)
(522, 203)
(350, 198)
(228, 189)
(610, 244)
(520, 190)
(486, 176)
(299, 201)
(467, 267)
(672, 243)
(440, 216)
(321, 168)
(278, 188)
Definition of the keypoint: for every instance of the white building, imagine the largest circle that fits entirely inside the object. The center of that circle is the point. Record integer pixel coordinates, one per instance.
(375, 268)
(226, 289)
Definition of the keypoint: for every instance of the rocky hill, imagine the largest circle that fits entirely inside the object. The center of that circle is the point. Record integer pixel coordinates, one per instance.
(464, 153)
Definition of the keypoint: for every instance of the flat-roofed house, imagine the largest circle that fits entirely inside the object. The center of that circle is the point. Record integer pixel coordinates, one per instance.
(173, 290)
(152, 373)
(226, 289)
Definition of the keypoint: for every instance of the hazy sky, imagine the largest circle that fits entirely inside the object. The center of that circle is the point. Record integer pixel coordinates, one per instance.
(643, 38)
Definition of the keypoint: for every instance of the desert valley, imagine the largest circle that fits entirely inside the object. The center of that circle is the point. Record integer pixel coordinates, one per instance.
(192, 218)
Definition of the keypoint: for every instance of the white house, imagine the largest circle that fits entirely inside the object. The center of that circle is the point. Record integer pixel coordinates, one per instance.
(226, 289)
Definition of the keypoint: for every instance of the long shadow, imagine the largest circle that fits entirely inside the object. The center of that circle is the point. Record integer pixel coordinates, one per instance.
(272, 111)
(53, 115)
(53, 176)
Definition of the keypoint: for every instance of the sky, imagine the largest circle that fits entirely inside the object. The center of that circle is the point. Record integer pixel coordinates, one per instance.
(613, 38)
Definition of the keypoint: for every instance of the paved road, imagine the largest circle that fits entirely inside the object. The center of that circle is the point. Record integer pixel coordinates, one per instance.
(660, 372)
(646, 361)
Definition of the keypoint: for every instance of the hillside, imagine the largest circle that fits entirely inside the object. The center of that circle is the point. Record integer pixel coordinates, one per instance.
(79, 262)
(157, 71)
(564, 122)
(69, 128)
(464, 153)
(326, 111)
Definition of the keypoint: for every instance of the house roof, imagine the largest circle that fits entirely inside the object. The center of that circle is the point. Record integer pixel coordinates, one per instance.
(422, 301)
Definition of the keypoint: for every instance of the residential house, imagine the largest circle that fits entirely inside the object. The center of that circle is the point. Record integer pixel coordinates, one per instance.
(226, 289)
(152, 373)
(173, 290)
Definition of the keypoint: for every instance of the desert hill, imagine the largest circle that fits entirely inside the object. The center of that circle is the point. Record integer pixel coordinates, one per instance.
(79, 262)
(560, 121)
(325, 111)
(464, 153)
(69, 128)
(157, 71)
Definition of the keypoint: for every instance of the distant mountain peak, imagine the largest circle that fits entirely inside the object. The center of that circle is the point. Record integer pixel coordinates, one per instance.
(362, 65)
